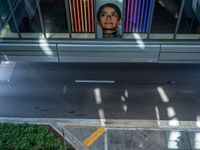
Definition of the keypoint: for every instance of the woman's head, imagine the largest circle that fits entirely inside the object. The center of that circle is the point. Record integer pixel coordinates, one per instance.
(108, 17)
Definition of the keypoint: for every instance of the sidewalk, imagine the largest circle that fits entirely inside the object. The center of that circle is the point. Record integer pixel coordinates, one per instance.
(122, 134)
(132, 138)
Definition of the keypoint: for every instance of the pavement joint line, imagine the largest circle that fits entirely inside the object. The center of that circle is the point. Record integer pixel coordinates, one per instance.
(94, 136)
(95, 81)
(106, 139)
(110, 123)
(84, 127)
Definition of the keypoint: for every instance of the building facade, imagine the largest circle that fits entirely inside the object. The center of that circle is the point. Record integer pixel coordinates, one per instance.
(155, 31)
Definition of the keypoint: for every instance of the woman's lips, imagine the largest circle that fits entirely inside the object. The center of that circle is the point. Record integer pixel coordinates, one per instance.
(108, 23)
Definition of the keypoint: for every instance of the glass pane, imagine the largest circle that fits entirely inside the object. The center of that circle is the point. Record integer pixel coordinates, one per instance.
(190, 22)
(4, 11)
(82, 18)
(6, 32)
(27, 19)
(166, 13)
(137, 17)
(5, 25)
(109, 19)
(54, 16)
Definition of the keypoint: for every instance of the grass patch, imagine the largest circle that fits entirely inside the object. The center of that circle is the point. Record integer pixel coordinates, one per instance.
(29, 137)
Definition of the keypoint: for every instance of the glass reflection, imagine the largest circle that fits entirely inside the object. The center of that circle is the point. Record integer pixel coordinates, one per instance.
(28, 19)
(166, 13)
(54, 16)
(6, 25)
(190, 20)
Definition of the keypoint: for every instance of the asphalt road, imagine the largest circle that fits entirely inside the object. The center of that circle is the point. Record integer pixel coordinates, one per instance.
(128, 91)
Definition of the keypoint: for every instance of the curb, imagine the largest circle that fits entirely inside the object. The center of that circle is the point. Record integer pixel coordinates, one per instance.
(109, 123)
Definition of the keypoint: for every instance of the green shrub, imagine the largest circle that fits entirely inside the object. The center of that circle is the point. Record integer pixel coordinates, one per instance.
(28, 137)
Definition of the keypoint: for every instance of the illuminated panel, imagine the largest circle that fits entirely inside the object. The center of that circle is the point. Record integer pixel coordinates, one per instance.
(92, 4)
(127, 13)
(89, 18)
(132, 6)
(71, 18)
(81, 16)
(137, 15)
(78, 12)
(142, 14)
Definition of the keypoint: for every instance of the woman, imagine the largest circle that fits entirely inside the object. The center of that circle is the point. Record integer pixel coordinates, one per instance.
(109, 16)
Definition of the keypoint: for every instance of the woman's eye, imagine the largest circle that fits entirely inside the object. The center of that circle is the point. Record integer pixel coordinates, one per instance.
(103, 14)
(114, 15)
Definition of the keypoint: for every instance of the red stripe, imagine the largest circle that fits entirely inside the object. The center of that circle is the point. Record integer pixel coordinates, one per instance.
(85, 15)
(71, 17)
(92, 5)
(82, 20)
(89, 18)
(78, 12)
(75, 21)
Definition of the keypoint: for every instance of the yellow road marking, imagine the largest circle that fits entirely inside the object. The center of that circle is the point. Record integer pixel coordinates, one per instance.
(94, 136)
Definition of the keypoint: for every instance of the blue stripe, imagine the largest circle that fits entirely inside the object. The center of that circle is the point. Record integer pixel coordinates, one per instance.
(149, 17)
(145, 17)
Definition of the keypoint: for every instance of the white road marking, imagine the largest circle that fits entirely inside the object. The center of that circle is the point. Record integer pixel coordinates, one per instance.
(95, 81)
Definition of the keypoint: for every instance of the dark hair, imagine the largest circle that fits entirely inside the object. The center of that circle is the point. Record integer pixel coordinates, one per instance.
(115, 7)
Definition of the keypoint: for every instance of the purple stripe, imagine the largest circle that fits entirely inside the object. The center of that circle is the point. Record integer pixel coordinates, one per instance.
(127, 15)
(135, 14)
(131, 18)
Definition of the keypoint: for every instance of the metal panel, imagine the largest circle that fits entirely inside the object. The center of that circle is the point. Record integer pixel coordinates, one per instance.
(108, 53)
(180, 48)
(29, 58)
(178, 62)
(29, 52)
(180, 56)
(106, 47)
(109, 57)
(100, 51)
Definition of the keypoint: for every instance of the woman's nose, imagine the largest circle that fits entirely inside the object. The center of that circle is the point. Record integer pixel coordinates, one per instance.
(108, 17)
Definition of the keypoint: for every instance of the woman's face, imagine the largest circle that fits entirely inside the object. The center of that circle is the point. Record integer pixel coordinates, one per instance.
(109, 19)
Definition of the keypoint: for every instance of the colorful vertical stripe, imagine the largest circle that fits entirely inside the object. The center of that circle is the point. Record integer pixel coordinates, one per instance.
(82, 16)
(137, 15)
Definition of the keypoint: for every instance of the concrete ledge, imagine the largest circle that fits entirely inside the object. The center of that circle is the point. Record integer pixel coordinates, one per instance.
(110, 123)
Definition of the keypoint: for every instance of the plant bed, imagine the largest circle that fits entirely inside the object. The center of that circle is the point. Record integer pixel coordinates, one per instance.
(30, 137)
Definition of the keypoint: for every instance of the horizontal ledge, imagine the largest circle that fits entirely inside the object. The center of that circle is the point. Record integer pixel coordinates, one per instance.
(94, 81)
(110, 123)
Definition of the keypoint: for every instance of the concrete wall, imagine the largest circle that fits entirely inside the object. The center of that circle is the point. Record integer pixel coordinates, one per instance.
(101, 51)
